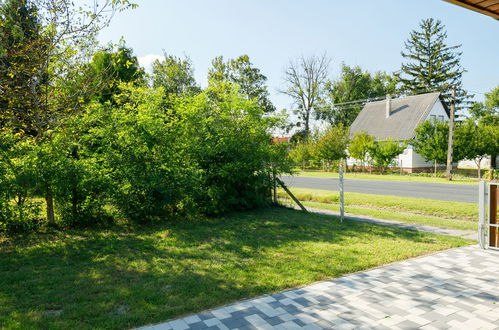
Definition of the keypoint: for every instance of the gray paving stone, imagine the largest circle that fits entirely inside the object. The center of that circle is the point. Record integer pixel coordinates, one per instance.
(450, 289)
(274, 320)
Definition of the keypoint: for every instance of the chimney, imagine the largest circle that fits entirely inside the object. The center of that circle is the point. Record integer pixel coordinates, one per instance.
(388, 105)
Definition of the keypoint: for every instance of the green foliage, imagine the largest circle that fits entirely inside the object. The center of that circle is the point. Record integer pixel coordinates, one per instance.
(22, 75)
(175, 76)
(240, 71)
(302, 153)
(492, 99)
(384, 152)
(17, 178)
(475, 140)
(113, 68)
(432, 64)
(333, 143)
(138, 146)
(360, 146)
(229, 138)
(354, 84)
(431, 141)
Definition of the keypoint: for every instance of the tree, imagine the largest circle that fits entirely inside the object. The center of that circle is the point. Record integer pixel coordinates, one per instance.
(360, 146)
(431, 142)
(383, 152)
(22, 45)
(175, 75)
(228, 135)
(111, 68)
(432, 64)
(61, 34)
(332, 144)
(353, 85)
(304, 80)
(240, 71)
(475, 141)
(487, 114)
(302, 153)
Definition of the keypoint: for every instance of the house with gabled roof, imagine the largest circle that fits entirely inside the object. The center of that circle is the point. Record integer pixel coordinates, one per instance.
(397, 118)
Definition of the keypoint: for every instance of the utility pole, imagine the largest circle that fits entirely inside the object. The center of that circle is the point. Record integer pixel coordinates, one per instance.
(450, 145)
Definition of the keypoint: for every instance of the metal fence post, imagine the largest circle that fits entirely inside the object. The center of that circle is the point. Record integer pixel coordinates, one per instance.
(342, 200)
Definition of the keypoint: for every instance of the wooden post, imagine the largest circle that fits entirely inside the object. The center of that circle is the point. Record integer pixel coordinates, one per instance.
(493, 221)
(450, 145)
(291, 194)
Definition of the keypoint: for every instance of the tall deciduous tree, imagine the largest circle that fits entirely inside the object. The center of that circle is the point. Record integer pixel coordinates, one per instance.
(240, 71)
(432, 64)
(110, 68)
(22, 45)
(354, 84)
(304, 82)
(431, 141)
(175, 75)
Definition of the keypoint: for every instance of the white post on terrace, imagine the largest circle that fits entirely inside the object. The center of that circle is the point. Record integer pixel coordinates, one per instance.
(342, 199)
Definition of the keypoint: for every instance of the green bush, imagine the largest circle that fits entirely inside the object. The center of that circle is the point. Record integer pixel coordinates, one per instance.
(18, 213)
(143, 160)
(139, 147)
(228, 137)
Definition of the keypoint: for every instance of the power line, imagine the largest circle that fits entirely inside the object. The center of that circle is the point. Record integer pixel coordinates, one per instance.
(379, 98)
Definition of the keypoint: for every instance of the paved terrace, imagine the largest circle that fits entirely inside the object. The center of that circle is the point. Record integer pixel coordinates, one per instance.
(456, 289)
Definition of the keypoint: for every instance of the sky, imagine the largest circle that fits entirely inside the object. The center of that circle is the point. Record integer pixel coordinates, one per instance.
(367, 33)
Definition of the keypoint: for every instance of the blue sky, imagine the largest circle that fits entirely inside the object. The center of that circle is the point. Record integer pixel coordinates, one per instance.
(362, 32)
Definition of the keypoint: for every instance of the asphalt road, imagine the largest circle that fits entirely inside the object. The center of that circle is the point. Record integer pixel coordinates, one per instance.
(438, 191)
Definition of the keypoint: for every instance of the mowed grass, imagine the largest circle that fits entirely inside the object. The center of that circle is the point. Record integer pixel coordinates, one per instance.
(419, 206)
(397, 216)
(121, 278)
(387, 177)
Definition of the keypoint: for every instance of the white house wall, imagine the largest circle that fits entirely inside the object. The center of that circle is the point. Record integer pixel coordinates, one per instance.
(438, 111)
(485, 163)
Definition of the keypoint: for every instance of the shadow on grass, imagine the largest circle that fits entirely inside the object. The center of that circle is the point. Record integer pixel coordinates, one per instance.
(121, 278)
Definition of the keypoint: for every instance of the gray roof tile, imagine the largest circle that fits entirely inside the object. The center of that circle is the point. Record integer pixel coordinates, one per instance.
(406, 114)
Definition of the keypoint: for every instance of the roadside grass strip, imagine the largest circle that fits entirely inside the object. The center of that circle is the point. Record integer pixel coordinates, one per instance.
(388, 177)
(397, 216)
(418, 206)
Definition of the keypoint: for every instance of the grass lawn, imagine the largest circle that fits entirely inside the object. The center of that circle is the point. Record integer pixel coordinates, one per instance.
(387, 177)
(120, 278)
(397, 216)
(418, 206)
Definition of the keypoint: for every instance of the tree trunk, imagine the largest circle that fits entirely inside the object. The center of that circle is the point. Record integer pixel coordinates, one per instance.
(493, 161)
(49, 200)
(435, 165)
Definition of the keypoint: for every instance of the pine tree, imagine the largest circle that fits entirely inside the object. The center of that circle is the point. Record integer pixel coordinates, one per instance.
(432, 65)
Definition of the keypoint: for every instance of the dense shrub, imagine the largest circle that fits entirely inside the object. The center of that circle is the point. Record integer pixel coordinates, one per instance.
(143, 160)
(229, 139)
(18, 213)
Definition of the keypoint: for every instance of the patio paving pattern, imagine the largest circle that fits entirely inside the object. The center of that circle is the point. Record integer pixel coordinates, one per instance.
(453, 289)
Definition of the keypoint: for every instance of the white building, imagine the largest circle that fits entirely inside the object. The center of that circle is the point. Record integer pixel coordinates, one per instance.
(398, 119)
